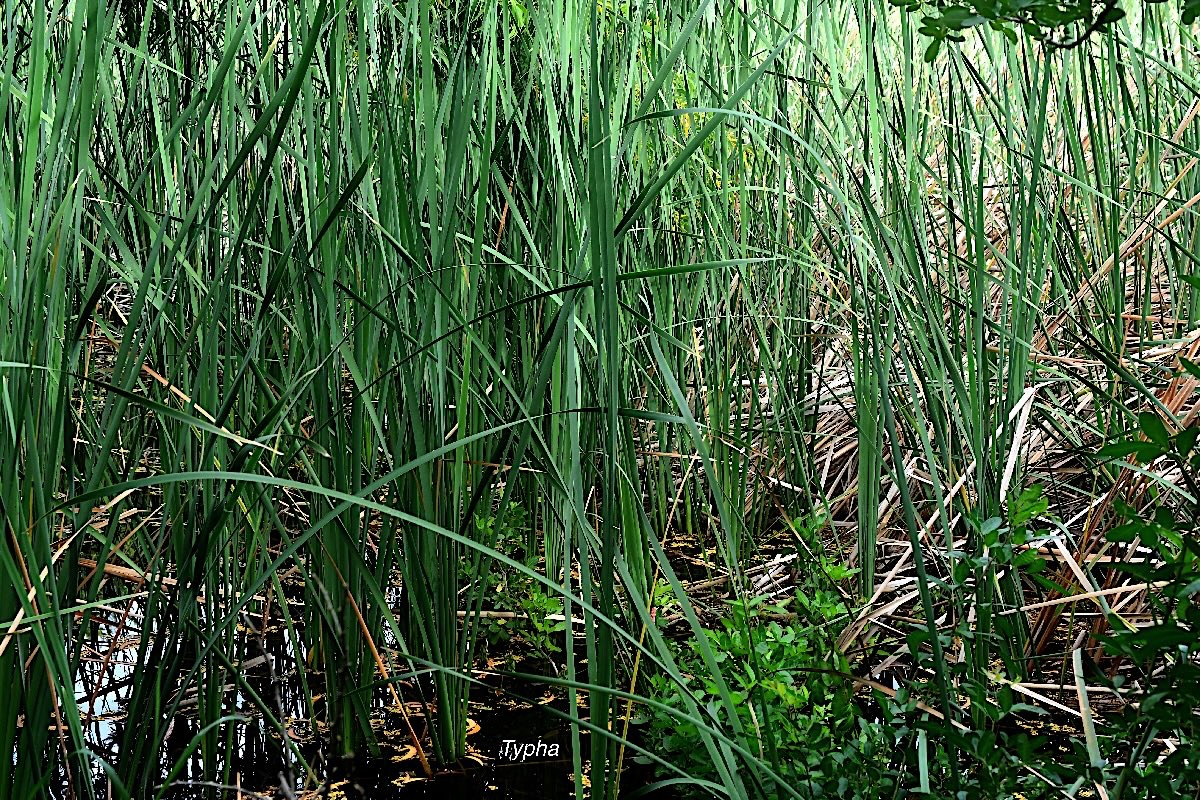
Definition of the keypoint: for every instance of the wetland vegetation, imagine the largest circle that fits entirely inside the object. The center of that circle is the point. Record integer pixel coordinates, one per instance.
(539, 398)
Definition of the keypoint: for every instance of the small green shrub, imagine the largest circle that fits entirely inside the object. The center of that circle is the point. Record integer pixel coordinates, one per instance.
(800, 717)
(510, 591)
(1165, 654)
(1160, 683)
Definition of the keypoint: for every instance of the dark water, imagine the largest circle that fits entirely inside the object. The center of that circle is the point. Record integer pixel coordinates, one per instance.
(518, 749)
(515, 752)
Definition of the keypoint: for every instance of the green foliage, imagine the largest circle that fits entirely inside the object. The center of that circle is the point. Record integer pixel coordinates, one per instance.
(291, 289)
(791, 689)
(1058, 22)
(1004, 546)
(1159, 688)
(990, 761)
(511, 591)
(1163, 694)
(984, 754)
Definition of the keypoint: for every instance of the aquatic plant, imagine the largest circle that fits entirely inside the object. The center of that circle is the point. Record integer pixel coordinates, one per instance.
(295, 294)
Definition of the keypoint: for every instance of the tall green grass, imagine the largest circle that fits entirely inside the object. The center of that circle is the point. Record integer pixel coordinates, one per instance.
(315, 285)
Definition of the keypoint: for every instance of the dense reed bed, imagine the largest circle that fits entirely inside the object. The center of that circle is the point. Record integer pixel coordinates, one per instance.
(301, 302)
